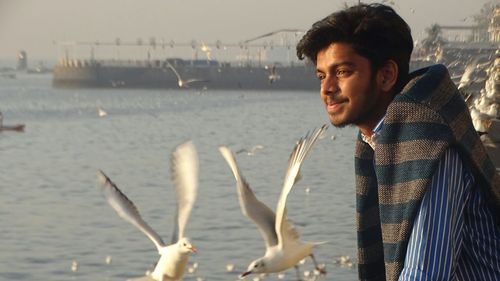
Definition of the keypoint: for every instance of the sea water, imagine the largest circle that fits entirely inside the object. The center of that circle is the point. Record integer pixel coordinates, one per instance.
(56, 225)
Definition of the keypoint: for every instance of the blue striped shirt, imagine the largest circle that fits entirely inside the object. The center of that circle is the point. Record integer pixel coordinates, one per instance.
(454, 236)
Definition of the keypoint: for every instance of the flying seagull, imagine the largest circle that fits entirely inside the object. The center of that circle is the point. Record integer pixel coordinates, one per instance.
(174, 257)
(284, 248)
(181, 82)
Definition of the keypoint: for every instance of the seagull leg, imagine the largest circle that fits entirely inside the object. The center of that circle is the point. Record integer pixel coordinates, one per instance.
(316, 266)
(299, 277)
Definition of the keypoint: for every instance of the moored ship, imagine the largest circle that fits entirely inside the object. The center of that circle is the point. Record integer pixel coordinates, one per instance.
(180, 73)
(266, 62)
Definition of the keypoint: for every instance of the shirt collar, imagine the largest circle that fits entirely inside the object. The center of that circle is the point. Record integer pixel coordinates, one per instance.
(375, 132)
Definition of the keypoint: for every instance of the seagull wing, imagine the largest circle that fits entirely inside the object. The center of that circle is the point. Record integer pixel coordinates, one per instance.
(126, 208)
(251, 207)
(184, 171)
(174, 70)
(299, 153)
(194, 80)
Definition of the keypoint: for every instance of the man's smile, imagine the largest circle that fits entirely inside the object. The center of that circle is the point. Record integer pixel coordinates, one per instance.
(333, 105)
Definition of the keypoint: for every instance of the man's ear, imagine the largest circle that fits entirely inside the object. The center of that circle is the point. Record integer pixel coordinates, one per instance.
(388, 75)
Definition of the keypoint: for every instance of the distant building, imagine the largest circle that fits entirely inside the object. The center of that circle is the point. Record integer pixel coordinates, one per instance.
(460, 43)
(487, 32)
(494, 28)
(463, 33)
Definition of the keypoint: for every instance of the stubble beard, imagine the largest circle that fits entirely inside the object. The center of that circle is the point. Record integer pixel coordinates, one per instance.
(361, 116)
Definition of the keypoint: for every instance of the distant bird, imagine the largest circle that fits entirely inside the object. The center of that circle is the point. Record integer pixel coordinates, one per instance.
(482, 103)
(273, 75)
(481, 121)
(174, 257)
(101, 112)
(229, 267)
(493, 110)
(469, 75)
(193, 267)
(181, 82)
(344, 261)
(466, 79)
(108, 259)
(284, 249)
(490, 87)
(74, 266)
(250, 151)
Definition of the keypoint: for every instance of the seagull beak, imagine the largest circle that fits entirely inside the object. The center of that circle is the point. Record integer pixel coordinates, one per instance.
(244, 274)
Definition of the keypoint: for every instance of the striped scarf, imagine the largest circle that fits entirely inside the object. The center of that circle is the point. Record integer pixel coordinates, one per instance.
(424, 120)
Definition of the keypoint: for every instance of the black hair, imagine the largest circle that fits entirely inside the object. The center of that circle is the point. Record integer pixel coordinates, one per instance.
(375, 31)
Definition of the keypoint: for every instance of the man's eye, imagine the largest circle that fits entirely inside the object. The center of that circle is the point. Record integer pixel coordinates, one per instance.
(342, 73)
(320, 76)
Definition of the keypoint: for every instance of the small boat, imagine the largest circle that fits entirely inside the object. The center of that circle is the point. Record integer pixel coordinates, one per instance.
(17, 128)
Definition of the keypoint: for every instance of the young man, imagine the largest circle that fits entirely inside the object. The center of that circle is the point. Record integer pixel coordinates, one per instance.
(428, 196)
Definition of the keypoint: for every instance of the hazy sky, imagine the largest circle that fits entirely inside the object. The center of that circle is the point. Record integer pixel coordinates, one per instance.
(34, 25)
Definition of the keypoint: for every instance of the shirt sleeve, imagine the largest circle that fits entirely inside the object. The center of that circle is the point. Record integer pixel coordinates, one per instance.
(436, 234)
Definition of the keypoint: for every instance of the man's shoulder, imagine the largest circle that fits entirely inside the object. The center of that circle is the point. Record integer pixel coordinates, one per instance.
(426, 83)
(429, 94)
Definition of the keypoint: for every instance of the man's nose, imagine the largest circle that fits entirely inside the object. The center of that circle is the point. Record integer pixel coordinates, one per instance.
(329, 85)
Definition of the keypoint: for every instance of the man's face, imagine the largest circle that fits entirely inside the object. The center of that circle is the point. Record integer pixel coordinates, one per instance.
(349, 89)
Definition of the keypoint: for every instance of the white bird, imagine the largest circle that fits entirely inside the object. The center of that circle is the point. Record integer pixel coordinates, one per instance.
(174, 257)
(468, 76)
(490, 87)
(108, 259)
(101, 112)
(273, 75)
(250, 151)
(466, 79)
(493, 110)
(481, 121)
(482, 103)
(284, 248)
(181, 82)
(229, 267)
(344, 261)
(74, 266)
